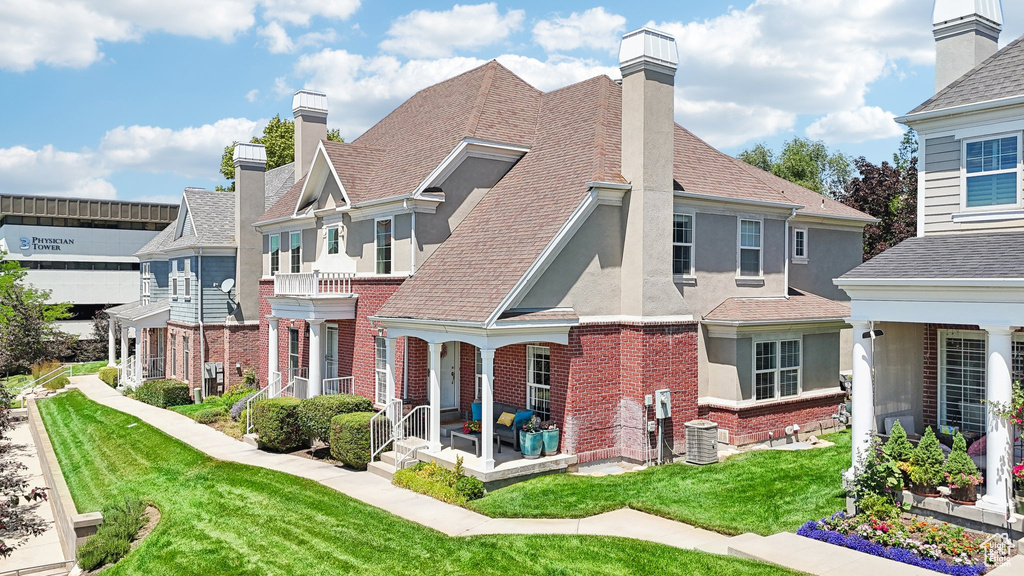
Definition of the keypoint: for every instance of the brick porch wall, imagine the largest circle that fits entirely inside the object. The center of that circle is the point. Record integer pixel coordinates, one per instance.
(229, 344)
(930, 391)
(760, 422)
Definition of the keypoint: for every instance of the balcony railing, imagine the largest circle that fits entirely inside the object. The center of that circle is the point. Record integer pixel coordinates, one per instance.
(312, 284)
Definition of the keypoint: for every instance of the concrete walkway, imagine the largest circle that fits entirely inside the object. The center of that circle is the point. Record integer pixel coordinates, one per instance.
(456, 521)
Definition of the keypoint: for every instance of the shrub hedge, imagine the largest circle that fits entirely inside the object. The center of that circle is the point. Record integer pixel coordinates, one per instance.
(108, 374)
(113, 538)
(451, 486)
(57, 383)
(350, 439)
(276, 423)
(211, 415)
(163, 393)
(316, 413)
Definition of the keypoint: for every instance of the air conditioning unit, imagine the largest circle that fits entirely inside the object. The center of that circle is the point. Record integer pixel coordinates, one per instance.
(701, 442)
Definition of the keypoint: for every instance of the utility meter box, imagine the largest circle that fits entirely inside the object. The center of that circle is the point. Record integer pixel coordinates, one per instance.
(663, 403)
(215, 371)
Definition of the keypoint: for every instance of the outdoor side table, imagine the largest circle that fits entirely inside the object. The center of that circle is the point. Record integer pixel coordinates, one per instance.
(473, 437)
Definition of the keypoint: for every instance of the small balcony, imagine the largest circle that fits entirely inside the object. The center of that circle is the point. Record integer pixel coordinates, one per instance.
(314, 284)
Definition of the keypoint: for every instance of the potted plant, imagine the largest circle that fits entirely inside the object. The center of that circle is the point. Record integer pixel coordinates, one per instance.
(471, 427)
(900, 450)
(926, 466)
(550, 432)
(531, 439)
(962, 475)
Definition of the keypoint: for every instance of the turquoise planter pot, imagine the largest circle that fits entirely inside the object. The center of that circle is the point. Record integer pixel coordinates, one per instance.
(550, 442)
(531, 444)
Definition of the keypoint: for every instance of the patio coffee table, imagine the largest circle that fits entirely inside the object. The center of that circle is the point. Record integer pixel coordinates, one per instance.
(473, 437)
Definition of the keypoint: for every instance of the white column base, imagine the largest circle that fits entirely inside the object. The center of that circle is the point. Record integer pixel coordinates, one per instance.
(993, 504)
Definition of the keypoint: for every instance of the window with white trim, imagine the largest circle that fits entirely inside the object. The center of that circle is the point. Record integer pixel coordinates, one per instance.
(682, 245)
(174, 355)
(380, 356)
(188, 278)
(332, 240)
(538, 381)
(187, 369)
(275, 253)
(479, 375)
(777, 369)
(295, 251)
(800, 245)
(962, 369)
(992, 171)
(382, 245)
(174, 279)
(147, 280)
(750, 248)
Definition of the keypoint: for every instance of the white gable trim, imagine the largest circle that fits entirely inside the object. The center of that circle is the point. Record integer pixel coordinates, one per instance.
(182, 216)
(319, 170)
(469, 148)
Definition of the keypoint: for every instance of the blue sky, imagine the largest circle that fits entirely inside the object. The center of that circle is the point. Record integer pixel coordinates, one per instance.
(136, 100)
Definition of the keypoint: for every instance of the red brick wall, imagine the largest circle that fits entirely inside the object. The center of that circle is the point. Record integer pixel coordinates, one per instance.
(760, 422)
(229, 344)
(467, 377)
(417, 364)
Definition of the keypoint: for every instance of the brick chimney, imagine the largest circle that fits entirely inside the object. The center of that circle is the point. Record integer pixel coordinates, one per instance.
(966, 34)
(250, 203)
(310, 110)
(648, 61)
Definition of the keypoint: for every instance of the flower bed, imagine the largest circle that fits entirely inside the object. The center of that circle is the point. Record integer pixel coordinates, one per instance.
(940, 547)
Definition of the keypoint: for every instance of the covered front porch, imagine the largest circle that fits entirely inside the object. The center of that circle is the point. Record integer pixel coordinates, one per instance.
(146, 323)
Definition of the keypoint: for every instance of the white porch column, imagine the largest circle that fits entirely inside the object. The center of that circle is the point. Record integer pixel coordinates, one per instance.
(434, 393)
(138, 356)
(390, 358)
(111, 343)
(124, 347)
(998, 447)
(863, 394)
(316, 358)
(487, 408)
(273, 347)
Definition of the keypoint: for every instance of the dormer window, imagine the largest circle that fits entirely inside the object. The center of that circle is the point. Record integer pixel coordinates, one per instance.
(275, 253)
(332, 240)
(991, 172)
(382, 246)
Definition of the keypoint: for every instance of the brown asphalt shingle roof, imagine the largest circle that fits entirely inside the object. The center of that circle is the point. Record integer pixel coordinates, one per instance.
(1000, 76)
(800, 306)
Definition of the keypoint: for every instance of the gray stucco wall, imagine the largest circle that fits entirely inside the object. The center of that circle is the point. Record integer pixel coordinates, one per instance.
(830, 254)
(585, 274)
(899, 372)
(361, 241)
(821, 361)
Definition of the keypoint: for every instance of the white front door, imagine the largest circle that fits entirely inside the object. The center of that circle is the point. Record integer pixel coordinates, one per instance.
(331, 353)
(449, 376)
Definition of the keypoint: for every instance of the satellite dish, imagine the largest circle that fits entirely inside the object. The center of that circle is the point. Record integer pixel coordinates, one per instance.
(227, 285)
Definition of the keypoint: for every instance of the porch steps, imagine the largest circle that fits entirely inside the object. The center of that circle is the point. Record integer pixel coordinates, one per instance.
(385, 467)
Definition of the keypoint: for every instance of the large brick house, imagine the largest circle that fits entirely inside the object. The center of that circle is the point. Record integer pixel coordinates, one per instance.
(569, 252)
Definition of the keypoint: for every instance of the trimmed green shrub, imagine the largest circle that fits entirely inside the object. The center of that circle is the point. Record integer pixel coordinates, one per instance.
(469, 487)
(57, 383)
(436, 481)
(350, 439)
(960, 470)
(211, 415)
(316, 413)
(276, 423)
(112, 541)
(108, 374)
(927, 461)
(163, 393)
(898, 448)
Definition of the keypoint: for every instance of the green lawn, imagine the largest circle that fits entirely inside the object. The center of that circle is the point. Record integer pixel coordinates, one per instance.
(17, 383)
(223, 518)
(762, 492)
(87, 367)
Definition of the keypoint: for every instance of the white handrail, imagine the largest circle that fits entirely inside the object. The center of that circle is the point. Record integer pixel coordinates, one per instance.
(267, 392)
(411, 435)
(310, 284)
(338, 385)
(62, 370)
(383, 426)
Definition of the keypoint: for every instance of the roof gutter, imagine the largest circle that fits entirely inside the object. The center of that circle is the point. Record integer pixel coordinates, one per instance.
(280, 220)
(964, 109)
(938, 282)
(696, 196)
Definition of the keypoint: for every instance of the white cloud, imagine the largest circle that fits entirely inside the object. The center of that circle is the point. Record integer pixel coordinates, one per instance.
(362, 90)
(593, 28)
(251, 95)
(299, 12)
(69, 32)
(427, 34)
(858, 125)
(279, 42)
(192, 152)
(780, 58)
(727, 124)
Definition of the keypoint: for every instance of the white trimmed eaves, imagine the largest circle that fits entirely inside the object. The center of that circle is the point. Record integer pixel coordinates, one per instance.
(320, 169)
(931, 282)
(547, 256)
(743, 201)
(469, 148)
(963, 109)
(182, 216)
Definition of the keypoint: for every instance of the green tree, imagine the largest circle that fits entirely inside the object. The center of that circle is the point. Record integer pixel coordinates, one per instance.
(805, 162)
(28, 324)
(898, 448)
(279, 139)
(926, 465)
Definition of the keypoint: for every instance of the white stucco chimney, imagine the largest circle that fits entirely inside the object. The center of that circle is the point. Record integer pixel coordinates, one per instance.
(250, 203)
(966, 33)
(648, 60)
(310, 110)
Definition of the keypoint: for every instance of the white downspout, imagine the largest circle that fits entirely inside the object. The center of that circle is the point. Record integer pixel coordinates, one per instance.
(202, 334)
(786, 258)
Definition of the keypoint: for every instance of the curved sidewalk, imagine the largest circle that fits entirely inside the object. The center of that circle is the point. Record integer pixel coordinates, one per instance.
(375, 491)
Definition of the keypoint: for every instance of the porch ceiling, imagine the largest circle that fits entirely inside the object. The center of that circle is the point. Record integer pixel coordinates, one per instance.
(342, 307)
(475, 334)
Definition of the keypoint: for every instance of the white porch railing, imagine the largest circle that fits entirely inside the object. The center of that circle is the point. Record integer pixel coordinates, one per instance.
(312, 284)
(297, 388)
(153, 369)
(337, 385)
(126, 376)
(411, 435)
(383, 426)
(271, 390)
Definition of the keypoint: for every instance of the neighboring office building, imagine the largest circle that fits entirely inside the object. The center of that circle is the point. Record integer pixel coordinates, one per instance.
(950, 302)
(194, 313)
(81, 250)
(569, 252)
